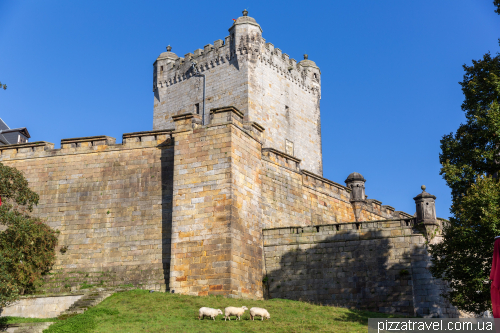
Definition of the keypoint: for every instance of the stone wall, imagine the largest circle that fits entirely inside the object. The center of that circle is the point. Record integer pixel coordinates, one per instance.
(216, 235)
(184, 209)
(111, 203)
(377, 266)
(295, 197)
(40, 307)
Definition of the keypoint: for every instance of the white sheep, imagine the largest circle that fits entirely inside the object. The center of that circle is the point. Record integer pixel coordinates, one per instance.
(209, 312)
(259, 312)
(233, 311)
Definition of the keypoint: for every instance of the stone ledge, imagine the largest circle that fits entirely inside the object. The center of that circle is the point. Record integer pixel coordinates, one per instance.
(145, 133)
(100, 140)
(226, 109)
(253, 124)
(183, 116)
(282, 154)
(352, 224)
(392, 209)
(324, 180)
(28, 145)
(282, 159)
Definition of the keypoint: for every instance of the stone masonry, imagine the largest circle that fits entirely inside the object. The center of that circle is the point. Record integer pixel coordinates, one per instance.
(230, 201)
(261, 81)
(376, 266)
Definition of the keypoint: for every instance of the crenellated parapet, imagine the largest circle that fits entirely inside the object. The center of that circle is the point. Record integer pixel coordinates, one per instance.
(244, 42)
(89, 144)
(305, 74)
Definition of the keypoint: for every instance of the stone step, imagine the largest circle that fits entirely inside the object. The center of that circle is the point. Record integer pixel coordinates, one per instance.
(27, 327)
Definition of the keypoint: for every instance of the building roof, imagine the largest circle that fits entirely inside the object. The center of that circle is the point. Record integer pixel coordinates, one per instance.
(355, 176)
(3, 125)
(168, 54)
(22, 130)
(245, 19)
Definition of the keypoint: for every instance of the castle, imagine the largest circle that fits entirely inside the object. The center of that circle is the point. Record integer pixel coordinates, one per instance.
(225, 196)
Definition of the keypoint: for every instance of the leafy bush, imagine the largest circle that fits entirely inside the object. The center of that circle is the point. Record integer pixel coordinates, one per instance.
(27, 246)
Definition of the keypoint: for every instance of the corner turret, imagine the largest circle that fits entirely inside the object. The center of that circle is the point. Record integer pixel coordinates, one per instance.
(426, 207)
(164, 60)
(356, 182)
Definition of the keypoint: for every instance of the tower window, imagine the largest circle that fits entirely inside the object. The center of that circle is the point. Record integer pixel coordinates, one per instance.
(161, 70)
(197, 108)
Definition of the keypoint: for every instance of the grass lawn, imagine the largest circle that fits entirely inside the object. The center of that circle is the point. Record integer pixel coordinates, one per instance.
(141, 311)
(18, 320)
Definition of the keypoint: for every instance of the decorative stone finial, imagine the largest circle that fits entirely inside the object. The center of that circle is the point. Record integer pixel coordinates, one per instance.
(423, 188)
(245, 12)
(306, 56)
(169, 48)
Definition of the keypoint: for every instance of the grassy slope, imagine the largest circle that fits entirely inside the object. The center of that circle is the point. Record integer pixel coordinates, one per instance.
(141, 311)
(18, 320)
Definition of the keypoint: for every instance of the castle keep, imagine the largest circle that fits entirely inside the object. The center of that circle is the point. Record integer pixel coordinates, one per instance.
(225, 196)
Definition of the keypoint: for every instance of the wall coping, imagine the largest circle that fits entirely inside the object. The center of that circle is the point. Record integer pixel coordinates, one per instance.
(183, 116)
(255, 125)
(146, 133)
(27, 145)
(405, 215)
(318, 177)
(87, 139)
(342, 223)
(375, 201)
(282, 154)
(389, 207)
(228, 108)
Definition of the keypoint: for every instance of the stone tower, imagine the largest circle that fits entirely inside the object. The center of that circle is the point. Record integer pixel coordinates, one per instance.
(259, 80)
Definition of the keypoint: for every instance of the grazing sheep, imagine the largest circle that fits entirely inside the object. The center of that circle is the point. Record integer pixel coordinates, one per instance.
(232, 311)
(209, 312)
(259, 312)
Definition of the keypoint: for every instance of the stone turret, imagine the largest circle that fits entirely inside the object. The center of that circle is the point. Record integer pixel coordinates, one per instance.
(426, 207)
(244, 25)
(426, 216)
(356, 182)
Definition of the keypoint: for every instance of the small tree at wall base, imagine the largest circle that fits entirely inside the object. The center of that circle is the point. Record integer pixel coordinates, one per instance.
(27, 246)
(470, 165)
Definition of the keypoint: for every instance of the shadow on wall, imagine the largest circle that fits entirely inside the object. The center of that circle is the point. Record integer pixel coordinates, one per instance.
(167, 188)
(373, 273)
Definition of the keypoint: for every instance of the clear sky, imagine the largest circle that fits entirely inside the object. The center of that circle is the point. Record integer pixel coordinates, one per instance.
(390, 72)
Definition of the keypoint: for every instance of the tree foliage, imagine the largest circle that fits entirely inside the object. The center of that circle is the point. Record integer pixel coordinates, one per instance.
(27, 245)
(4, 86)
(470, 164)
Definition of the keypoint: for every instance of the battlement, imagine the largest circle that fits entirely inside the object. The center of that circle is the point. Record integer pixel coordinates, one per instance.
(340, 232)
(177, 69)
(84, 145)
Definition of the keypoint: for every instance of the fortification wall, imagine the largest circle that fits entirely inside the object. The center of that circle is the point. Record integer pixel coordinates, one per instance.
(216, 234)
(109, 204)
(295, 197)
(378, 266)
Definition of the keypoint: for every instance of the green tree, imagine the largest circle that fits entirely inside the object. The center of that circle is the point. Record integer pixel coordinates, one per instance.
(470, 164)
(4, 86)
(27, 245)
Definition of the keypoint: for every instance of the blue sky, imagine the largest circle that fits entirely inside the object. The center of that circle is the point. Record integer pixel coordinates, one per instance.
(390, 73)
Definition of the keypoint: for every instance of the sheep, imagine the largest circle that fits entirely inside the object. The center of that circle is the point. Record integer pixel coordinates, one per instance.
(233, 311)
(209, 312)
(259, 312)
